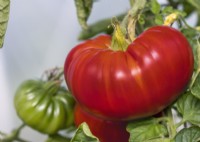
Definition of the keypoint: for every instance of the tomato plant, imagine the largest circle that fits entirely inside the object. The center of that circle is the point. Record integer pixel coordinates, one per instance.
(120, 81)
(105, 130)
(44, 106)
(138, 82)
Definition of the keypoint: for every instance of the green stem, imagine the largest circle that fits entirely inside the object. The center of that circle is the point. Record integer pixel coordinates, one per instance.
(171, 126)
(195, 4)
(58, 137)
(53, 74)
(161, 119)
(186, 24)
(119, 42)
(101, 26)
(14, 135)
(180, 123)
(2, 134)
(124, 33)
(58, 74)
(131, 2)
(133, 16)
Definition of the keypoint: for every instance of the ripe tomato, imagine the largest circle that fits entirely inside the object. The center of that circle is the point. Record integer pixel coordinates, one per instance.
(138, 82)
(106, 131)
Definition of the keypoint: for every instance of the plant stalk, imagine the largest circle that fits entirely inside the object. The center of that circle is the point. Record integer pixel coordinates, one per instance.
(124, 33)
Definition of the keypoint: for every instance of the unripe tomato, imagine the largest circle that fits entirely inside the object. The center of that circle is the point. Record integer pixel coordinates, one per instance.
(138, 82)
(105, 130)
(44, 106)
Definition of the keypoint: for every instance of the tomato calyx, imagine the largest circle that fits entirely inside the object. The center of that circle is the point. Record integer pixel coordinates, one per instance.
(52, 87)
(124, 32)
(120, 41)
(52, 80)
(53, 74)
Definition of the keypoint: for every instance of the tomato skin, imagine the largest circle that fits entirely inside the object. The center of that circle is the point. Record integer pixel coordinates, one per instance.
(105, 130)
(139, 82)
(44, 106)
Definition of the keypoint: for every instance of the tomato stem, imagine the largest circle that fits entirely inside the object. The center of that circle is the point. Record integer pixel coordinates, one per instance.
(195, 75)
(133, 16)
(14, 135)
(171, 126)
(119, 41)
(161, 119)
(124, 32)
(180, 123)
(53, 74)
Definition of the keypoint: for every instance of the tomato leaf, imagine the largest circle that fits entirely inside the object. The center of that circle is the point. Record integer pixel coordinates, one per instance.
(192, 35)
(141, 19)
(160, 140)
(4, 16)
(159, 19)
(195, 84)
(83, 134)
(191, 134)
(147, 131)
(167, 10)
(189, 107)
(195, 90)
(195, 3)
(155, 7)
(83, 8)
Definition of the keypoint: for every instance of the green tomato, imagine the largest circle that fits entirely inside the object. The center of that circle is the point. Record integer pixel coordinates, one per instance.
(44, 106)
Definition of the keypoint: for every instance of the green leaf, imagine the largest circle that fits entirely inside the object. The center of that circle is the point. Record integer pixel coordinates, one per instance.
(191, 134)
(195, 84)
(160, 140)
(141, 19)
(195, 3)
(83, 8)
(139, 123)
(159, 19)
(155, 6)
(195, 90)
(131, 2)
(83, 134)
(189, 107)
(167, 10)
(4, 16)
(191, 36)
(147, 131)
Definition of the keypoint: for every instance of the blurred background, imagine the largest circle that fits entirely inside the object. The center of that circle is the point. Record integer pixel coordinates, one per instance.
(39, 36)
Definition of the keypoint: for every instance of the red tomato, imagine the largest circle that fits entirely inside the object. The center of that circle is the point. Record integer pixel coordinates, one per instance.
(106, 131)
(143, 80)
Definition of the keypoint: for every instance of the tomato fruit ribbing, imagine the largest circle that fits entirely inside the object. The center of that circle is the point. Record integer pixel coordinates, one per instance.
(105, 130)
(141, 81)
(44, 106)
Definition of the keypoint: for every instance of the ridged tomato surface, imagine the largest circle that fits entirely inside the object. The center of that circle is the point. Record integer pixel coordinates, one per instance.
(106, 131)
(143, 80)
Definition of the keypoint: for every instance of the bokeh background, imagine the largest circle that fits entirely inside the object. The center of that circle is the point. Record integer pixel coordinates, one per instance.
(39, 36)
